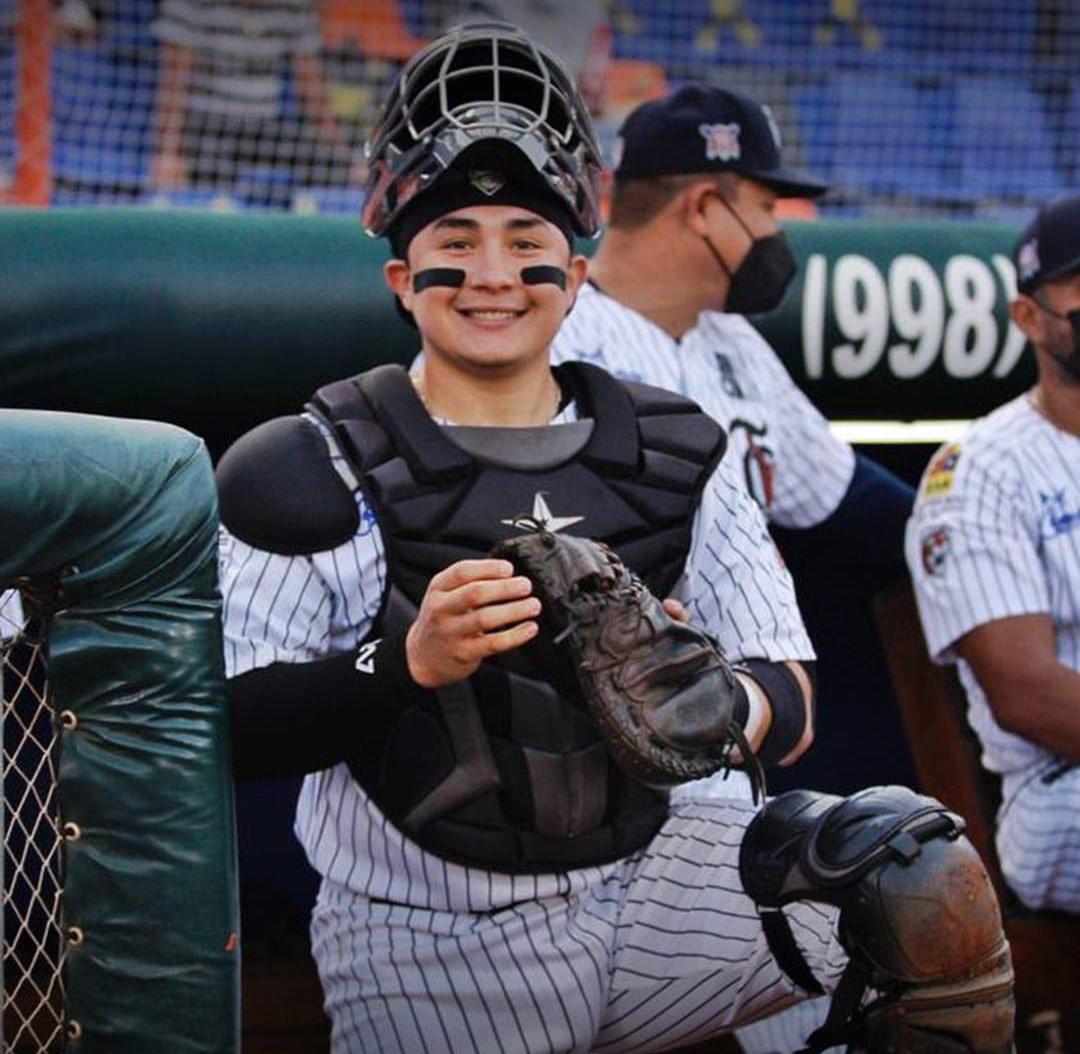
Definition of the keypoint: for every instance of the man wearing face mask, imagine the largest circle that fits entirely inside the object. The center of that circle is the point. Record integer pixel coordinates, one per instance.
(693, 245)
(994, 548)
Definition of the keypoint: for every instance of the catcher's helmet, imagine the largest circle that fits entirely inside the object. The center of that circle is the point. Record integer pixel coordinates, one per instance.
(482, 83)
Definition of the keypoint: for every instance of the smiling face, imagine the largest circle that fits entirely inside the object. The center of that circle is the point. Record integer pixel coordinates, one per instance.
(493, 322)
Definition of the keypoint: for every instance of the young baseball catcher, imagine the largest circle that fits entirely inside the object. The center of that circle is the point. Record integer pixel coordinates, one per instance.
(440, 596)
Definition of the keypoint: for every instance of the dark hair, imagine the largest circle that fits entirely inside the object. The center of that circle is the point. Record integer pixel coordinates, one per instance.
(636, 202)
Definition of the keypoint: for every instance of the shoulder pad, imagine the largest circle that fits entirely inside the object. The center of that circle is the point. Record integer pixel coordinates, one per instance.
(673, 424)
(279, 492)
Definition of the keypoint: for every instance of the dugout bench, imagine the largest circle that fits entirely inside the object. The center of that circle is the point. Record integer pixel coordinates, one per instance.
(933, 705)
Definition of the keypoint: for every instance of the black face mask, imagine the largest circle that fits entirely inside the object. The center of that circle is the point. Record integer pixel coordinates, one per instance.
(759, 283)
(1070, 361)
(761, 280)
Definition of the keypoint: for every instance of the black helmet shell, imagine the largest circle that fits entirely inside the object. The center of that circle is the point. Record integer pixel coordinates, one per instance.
(482, 83)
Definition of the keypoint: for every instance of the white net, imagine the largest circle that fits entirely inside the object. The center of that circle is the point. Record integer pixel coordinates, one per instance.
(34, 939)
(969, 108)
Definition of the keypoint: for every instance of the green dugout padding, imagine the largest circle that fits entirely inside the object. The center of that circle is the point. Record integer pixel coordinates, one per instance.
(125, 513)
(217, 322)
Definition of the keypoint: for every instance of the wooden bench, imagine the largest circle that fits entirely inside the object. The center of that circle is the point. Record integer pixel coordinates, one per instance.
(1045, 945)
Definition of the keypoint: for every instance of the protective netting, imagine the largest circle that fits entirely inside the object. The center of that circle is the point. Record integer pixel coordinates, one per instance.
(908, 107)
(34, 938)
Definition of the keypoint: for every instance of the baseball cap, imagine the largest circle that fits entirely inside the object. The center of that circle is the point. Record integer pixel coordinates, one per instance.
(1049, 247)
(703, 128)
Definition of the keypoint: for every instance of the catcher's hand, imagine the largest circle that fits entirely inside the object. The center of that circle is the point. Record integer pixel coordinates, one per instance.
(660, 691)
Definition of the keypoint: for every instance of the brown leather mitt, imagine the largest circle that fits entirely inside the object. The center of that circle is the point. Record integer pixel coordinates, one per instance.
(660, 691)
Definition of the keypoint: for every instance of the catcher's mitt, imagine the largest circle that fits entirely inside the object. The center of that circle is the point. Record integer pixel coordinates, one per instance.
(660, 691)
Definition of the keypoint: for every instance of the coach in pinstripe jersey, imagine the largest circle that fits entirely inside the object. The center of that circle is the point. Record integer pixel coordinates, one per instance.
(490, 881)
(994, 548)
(693, 246)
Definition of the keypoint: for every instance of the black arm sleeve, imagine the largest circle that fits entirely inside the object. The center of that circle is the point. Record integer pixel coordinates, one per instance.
(785, 694)
(293, 718)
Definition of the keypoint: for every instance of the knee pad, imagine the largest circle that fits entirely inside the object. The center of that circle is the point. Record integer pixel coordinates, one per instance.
(918, 917)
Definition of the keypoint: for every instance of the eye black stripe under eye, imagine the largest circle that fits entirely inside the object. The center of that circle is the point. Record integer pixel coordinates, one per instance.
(454, 277)
(541, 273)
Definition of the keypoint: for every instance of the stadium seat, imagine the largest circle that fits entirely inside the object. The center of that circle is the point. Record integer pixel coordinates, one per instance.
(685, 36)
(876, 134)
(102, 124)
(971, 35)
(1070, 134)
(7, 112)
(1001, 141)
(946, 756)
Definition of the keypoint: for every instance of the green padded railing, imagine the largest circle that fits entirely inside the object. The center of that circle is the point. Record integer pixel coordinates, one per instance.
(216, 323)
(112, 527)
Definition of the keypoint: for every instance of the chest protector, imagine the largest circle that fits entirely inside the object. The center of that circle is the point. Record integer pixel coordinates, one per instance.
(506, 770)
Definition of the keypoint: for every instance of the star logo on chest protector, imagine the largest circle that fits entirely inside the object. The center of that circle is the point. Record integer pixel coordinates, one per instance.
(541, 515)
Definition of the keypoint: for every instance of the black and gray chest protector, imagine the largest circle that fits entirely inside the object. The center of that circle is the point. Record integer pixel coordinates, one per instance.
(505, 770)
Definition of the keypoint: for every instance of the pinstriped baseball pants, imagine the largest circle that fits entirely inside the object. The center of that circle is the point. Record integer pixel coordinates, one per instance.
(667, 951)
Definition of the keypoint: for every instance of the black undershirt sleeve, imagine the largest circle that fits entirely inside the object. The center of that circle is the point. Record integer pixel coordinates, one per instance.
(294, 718)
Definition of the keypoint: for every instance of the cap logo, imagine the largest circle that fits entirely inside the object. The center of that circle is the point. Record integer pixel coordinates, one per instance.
(487, 182)
(721, 141)
(1028, 259)
(773, 126)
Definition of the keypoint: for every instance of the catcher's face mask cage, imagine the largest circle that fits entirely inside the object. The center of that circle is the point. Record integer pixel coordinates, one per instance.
(482, 83)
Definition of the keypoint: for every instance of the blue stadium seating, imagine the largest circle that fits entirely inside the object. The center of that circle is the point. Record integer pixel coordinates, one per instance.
(102, 119)
(912, 120)
(914, 36)
(959, 141)
(7, 110)
(1001, 141)
(1070, 138)
(875, 134)
(970, 35)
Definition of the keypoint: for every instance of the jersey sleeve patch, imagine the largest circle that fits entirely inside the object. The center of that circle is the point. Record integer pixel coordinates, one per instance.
(935, 544)
(941, 473)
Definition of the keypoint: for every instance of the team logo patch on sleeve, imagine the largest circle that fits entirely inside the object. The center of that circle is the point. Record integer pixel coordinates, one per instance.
(1059, 514)
(939, 476)
(936, 546)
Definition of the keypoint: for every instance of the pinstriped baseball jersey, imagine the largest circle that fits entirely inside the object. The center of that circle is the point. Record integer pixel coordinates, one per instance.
(420, 954)
(995, 534)
(789, 460)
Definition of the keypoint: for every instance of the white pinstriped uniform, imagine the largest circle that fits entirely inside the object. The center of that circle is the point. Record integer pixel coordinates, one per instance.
(419, 954)
(779, 444)
(995, 534)
(725, 366)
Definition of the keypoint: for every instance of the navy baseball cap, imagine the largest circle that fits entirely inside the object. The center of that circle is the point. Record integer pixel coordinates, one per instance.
(1050, 245)
(700, 129)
